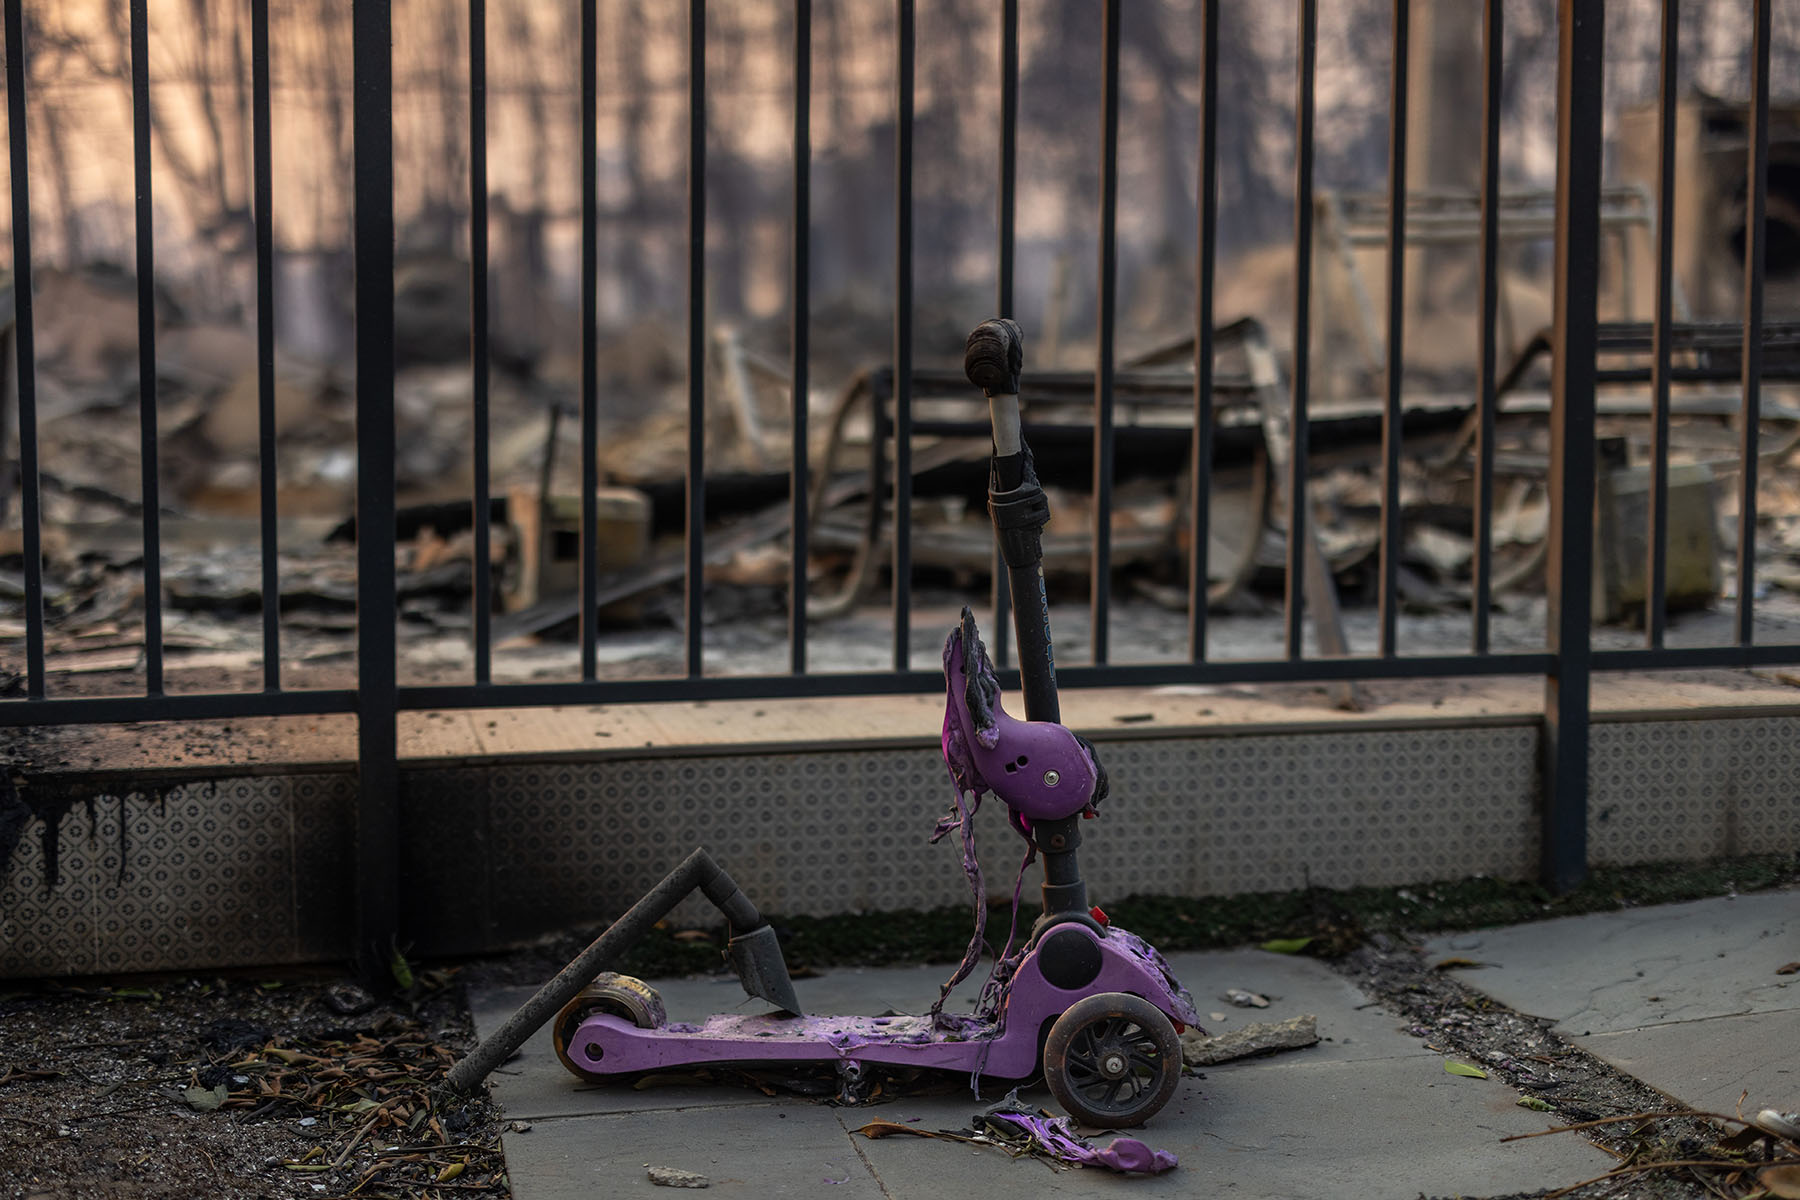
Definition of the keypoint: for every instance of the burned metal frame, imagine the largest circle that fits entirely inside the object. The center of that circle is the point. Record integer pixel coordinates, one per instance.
(1574, 343)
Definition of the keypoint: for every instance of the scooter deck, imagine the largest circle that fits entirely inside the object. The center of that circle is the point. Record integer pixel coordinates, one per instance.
(615, 1046)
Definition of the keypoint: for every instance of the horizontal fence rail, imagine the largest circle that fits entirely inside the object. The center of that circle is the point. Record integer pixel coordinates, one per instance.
(1678, 352)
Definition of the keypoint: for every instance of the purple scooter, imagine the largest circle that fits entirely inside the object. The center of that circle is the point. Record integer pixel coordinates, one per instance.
(1096, 1006)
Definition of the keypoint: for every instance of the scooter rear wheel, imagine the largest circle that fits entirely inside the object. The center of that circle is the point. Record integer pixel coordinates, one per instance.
(1112, 1060)
(611, 994)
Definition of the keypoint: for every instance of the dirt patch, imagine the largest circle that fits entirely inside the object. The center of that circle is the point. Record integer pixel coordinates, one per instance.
(184, 1087)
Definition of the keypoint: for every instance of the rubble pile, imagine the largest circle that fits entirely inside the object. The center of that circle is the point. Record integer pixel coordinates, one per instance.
(207, 425)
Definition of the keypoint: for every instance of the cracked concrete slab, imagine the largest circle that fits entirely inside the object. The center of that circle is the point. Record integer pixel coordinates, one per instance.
(1709, 1064)
(1276, 1128)
(1684, 997)
(1368, 1111)
(1610, 972)
(749, 1148)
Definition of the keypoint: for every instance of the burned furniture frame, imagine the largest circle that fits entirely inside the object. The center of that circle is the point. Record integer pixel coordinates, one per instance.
(1349, 221)
(1698, 353)
(1059, 407)
(1713, 352)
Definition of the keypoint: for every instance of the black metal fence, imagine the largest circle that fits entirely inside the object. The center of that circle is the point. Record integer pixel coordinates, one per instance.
(1566, 663)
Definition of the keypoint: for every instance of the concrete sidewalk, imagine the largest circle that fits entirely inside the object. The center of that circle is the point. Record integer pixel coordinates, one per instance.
(1684, 997)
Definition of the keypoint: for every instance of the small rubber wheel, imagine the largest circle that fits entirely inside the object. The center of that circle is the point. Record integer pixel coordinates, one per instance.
(610, 993)
(1112, 1060)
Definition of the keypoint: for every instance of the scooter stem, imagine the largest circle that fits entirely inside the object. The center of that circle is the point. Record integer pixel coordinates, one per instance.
(993, 360)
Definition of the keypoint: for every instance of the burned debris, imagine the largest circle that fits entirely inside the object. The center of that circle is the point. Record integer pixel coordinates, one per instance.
(213, 590)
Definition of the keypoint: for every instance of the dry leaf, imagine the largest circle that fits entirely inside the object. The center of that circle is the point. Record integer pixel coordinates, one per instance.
(1783, 1181)
(1456, 964)
(1792, 968)
(881, 1129)
(1743, 1139)
(205, 1099)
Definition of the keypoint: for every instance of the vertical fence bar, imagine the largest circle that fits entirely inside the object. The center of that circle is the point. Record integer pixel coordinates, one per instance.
(31, 517)
(1393, 414)
(30, 497)
(262, 200)
(1492, 41)
(1207, 204)
(1007, 214)
(377, 818)
(1755, 253)
(1568, 585)
(1001, 638)
(693, 608)
(590, 401)
(1101, 575)
(1656, 535)
(1300, 380)
(903, 295)
(802, 317)
(146, 331)
(482, 515)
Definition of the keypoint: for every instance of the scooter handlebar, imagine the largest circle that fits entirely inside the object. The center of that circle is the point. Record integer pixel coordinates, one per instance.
(995, 355)
(992, 360)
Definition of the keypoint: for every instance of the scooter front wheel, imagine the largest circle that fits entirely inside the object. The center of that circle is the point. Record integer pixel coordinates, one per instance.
(612, 994)
(1112, 1060)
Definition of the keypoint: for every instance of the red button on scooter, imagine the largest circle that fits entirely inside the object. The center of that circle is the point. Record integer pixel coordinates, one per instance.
(1099, 916)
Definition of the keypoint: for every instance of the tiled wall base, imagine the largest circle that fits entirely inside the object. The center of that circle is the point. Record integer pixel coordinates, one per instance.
(256, 869)
(233, 871)
(1668, 791)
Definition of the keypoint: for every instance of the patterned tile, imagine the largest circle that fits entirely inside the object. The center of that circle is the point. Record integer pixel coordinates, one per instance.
(444, 859)
(1671, 790)
(827, 833)
(322, 809)
(209, 880)
(50, 927)
(201, 874)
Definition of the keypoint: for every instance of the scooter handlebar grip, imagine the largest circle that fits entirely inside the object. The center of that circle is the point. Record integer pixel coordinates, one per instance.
(995, 355)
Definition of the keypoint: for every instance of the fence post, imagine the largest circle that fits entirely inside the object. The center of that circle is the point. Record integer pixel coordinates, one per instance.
(1568, 583)
(25, 355)
(377, 818)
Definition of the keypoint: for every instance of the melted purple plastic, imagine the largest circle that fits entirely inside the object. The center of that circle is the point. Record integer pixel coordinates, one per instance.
(987, 750)
(1053, 1136)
